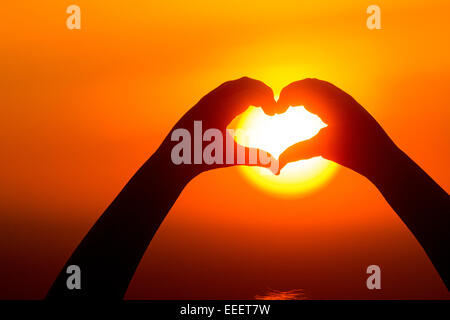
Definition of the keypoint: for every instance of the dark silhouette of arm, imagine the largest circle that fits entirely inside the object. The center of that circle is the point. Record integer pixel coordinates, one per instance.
(111, 251)
(420, 203)
(353, 138)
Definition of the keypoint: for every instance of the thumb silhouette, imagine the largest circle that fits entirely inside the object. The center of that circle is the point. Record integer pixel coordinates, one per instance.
(302, 150)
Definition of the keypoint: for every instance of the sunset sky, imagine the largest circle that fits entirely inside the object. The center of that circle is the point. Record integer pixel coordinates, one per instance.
(83, 109)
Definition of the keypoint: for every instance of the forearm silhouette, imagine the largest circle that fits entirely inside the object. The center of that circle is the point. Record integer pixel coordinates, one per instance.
(354, 139)
(111, 251)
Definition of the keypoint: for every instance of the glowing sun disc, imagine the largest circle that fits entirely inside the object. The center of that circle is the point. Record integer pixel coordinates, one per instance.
(274, 134)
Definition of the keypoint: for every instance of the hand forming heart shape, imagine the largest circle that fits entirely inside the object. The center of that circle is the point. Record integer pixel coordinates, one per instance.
(352, 138)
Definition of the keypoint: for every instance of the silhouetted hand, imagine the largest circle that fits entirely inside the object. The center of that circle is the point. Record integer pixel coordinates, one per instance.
(110, 253)
(352, 138)
(215, 111)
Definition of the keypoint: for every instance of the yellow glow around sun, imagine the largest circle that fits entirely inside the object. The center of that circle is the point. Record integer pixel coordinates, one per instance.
(275, 134)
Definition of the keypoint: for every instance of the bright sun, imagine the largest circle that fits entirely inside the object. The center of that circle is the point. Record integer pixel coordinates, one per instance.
(275, 134)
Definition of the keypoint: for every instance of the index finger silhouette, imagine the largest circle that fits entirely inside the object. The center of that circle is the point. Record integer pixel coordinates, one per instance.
(315, 95)
(253, 92)
(237, 95)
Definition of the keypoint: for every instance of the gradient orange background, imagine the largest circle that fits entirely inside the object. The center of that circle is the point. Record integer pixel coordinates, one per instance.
(83, 109)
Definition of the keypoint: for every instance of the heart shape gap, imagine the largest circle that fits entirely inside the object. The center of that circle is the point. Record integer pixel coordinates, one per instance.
(276, 133)
(254, 128)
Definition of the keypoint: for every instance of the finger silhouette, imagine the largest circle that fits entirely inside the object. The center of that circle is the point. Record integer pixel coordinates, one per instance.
(260, 158)
(257, 94)
(303, 150)
(248, 156)
(237, 95)
(315, 95)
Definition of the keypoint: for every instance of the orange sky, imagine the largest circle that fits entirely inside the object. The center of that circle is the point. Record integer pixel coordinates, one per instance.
(83, 109)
